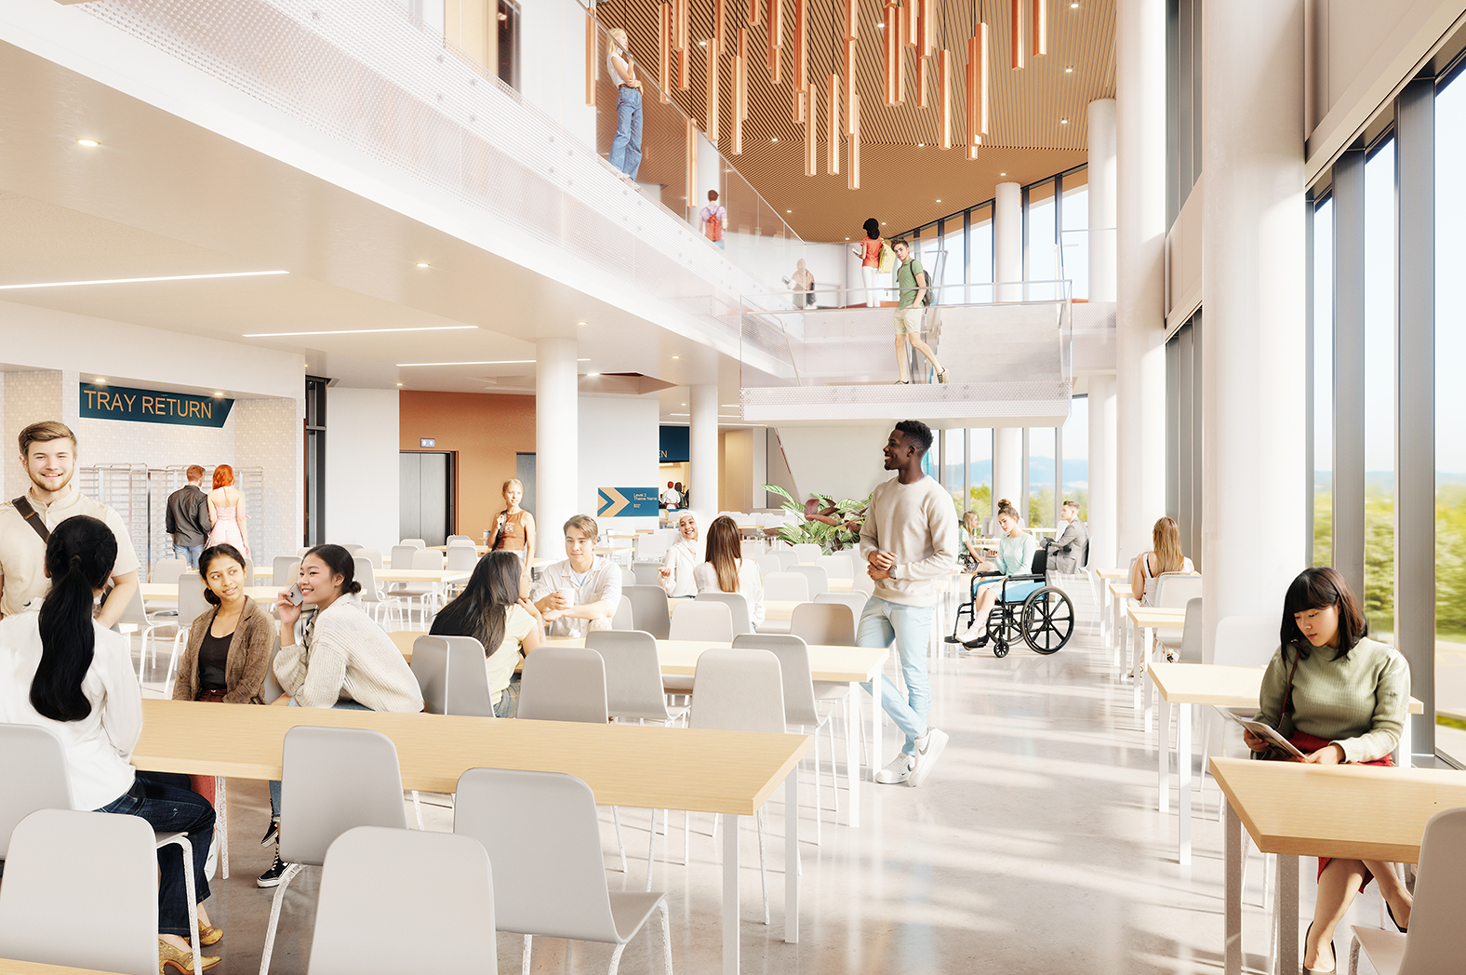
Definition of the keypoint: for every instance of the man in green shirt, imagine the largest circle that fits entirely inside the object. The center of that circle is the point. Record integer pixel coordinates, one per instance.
(912, 281)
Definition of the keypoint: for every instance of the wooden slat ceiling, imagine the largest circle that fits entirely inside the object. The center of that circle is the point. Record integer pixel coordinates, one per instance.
(901, 185)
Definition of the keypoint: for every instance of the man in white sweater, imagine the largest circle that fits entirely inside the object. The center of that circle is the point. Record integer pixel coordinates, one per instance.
(909, 540)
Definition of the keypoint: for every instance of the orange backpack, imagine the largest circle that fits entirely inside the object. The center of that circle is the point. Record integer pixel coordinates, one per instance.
(714, 227)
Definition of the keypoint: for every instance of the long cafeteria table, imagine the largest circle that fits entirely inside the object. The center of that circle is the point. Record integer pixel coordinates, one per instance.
(420, 576)
(727, 773)
(9, 966)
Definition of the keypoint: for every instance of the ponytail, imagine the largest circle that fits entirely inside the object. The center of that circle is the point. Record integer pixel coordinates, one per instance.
(79, 558)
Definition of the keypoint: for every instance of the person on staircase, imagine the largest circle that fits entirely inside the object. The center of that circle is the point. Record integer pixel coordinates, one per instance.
(914, 287)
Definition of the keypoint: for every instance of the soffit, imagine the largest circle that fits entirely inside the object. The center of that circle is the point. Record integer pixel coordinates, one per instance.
(900, 183)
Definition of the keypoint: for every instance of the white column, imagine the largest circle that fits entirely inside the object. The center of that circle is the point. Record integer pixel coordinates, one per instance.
(1140, 361)
(1008, 466)
(1252, 333)
(1008, 240)
(703, 450)
(1102, 471)
(1102, 189)
(556, 441)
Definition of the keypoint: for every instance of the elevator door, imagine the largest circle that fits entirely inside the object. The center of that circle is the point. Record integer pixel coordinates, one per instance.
(425, 495)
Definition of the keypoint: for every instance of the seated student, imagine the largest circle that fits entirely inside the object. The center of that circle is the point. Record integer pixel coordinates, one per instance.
(229, 646)
(489, 610)
(1067, 551)
(969, 555)
(582, 592)
(344, 661)
(681, 559)
(65, 672)
(1014, 558)
(1339, 697)
(727, 571)
(1164, 557)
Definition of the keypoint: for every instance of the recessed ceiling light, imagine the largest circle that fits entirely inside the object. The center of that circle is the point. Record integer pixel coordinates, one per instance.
(580, 323)
(360, 331)
(89, 143)
(702, 43)
(399, 384)
(1063, 121)
(592, 374)
(167, 277)
(1068, 70)
(847, 238)
(939, 201)
(1073, 6)
(788, 211)
(1002, 174)
(423, 264)
(676, 357)
(921, 145)
(880, 24)
(218, 394)
(102, 380)
(774, 139)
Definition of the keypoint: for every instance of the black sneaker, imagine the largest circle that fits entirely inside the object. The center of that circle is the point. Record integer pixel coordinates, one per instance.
(272, 833)
(271, 877)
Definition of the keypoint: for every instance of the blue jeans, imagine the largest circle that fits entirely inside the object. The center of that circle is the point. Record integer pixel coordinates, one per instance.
(275, 783)
(168, 805)
(626, 147)
(189, 554)
(910, 628)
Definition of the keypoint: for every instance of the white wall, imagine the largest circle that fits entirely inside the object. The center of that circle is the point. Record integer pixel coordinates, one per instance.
(841, 461)
(552, 64)
(362, 467)
(620, 444)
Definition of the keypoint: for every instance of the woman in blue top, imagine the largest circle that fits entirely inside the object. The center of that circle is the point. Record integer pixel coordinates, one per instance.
(1014, 558)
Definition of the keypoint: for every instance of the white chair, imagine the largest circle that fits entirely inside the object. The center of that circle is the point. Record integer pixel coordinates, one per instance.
(801, 706)
(373, 555)
(459, 540)
(287, 572)
(741, 690)
(191, 605)
(1436, 942)
(737, 604)
(380, 606)
(402, 556)
(787, 557)
(855, 600)
(362, 915)
(649, 610)
(621, 619)
(863, 584)
(114, 857)
(819, 579)
(837, 566)
(351, 547)
(1173, 590)
(700, 619)
(420, 543)
(166, 571)
(646, 573)
(547, 869)
(1240, 641)
(786, 586)
(430, 594)
(768, 563)
(450, 672)
(824, 624)
(461, 558)
(249, 572)
(333, 780)
(807, 553)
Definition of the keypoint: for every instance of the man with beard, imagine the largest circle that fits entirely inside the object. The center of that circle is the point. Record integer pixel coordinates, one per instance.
(48, 455)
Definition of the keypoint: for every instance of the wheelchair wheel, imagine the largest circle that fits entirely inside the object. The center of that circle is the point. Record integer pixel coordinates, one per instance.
(1000, 650)
(1004, 625)
(1048, 620)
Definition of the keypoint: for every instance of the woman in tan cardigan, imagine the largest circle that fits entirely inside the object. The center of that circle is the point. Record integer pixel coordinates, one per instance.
(229, 646)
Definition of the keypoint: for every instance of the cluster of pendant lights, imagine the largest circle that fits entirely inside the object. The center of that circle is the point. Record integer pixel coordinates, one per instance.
(912, 25)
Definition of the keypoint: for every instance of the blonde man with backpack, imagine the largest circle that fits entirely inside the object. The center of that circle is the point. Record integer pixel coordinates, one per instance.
(911, 281)
(713, 217)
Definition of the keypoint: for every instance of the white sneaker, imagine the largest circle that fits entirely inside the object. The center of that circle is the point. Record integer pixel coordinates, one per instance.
(928, 749)
(897, 772)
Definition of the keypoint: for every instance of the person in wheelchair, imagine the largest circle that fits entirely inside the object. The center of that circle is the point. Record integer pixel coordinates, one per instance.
(1015, 557)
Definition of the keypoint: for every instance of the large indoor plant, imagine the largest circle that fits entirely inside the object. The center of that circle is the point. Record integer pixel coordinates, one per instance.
(832, 525)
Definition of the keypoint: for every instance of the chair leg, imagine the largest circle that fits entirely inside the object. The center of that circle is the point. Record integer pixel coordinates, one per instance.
(221, 802)
(763, 864)
(275, 903)
(185, 851)
(524, 966)
(818, 802)
(651, 851)
(616, 959)
(666, 937)
(835, 782)
(1353, 956)
(417, 806)
(620, 846)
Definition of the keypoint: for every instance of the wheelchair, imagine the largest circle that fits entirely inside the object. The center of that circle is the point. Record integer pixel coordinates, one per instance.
(1044, 619)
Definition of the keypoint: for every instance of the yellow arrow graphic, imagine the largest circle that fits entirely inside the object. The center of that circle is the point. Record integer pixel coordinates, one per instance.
(613, 502)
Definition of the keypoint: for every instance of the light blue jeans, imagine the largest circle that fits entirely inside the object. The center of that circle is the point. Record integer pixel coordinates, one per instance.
(910, 628)
(626, 147)
(275, 783)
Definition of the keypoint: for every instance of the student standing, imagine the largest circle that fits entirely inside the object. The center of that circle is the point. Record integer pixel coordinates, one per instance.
(911, 280)
(909, 540)
(188, 522)
(626, 146)
(226, 511)
(714, 219)
(48, 454)
(514, 528)
(869, 252)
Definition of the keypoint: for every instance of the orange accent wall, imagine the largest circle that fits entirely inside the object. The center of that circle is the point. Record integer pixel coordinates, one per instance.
(485, 430)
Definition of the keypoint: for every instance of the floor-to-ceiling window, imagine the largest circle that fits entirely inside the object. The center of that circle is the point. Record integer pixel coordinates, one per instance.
(1323, 383)
(1041, 470)
(980, 253)
(1075, 455)
(1379, 390)
(1074, 217)
(980, 462)
(1040, 239)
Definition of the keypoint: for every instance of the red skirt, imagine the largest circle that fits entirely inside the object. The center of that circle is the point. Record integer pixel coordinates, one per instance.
(1308, 744)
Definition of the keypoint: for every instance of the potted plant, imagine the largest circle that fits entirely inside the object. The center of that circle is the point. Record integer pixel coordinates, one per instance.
(832, 525)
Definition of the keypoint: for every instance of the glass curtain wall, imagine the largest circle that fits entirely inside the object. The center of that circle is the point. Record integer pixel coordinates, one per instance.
(1075, 455)
(1379, 390)
(1074, 233)
(1041, 460)
(1323, 383)
(1040, 238)
(980, 462)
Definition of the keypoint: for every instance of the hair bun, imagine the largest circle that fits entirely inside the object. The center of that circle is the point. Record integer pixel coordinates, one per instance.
(1005, 503)
(352, 589)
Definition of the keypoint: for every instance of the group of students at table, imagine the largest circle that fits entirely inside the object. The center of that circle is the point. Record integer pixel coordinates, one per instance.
(1338, 695)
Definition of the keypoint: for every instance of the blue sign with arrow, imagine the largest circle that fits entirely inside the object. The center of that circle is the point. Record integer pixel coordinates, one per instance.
(626, 502)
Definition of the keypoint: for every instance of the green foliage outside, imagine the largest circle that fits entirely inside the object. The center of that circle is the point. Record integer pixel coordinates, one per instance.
(830, 538)
(1379, 561)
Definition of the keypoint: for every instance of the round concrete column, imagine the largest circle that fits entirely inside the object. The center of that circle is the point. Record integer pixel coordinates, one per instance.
(703, 450)
(557, 441)
(1102, 189)
(1008, 241)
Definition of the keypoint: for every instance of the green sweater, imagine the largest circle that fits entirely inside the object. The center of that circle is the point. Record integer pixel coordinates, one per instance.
(1358, 703)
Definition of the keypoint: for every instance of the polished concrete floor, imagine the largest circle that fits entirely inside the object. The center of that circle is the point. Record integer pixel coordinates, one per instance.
(1034, 847)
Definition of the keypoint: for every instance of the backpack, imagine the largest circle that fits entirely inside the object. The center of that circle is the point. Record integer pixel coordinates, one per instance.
(714, 227)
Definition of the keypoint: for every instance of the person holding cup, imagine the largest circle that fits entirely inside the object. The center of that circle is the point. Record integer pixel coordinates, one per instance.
(582, 592)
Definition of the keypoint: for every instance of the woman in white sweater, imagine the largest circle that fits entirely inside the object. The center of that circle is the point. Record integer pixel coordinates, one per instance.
(344, 660)
(727, 571)
(681, 560)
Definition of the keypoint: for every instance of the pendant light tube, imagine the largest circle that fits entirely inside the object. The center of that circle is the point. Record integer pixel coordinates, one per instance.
(801, 44)
(852, 177)
(928, 28)
(776, 41)
(664, 49)
(901, 42)
(852, 19)
(689, 162)
(974, 67)
(737, 148)
(592, 61)
(811, 130)
(681, 15)
(944, 81)
(742, 79)
(755, 12)
(892, 38)
(718, 46)
(711, 90)
(684, 53)
(1015, 32)
(1039, 20)
(849, 122)
(923, 81)
(910, 23)
(834, 147)
(984, 80)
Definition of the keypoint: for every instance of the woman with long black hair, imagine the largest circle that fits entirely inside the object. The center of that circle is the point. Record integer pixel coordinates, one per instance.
(489, 610)
(63, 671)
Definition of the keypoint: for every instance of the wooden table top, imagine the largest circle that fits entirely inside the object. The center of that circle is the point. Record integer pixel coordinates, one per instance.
(774, 609)
(168, 592)
(1121, 590)
(1357, 811)
(1155, 617)
(625, 765)
(1227, 687)
(1110, 575)
(478, 547)
(9, 966)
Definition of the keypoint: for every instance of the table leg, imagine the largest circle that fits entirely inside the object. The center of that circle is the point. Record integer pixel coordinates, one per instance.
(1143, 680)
(731, 907)
(1117, 628)
(791, 856)
(1405, 742)
(1107, 633)
(1183, 783)
(1232, 901)
(877, 758)
(1285, 906)
(1163, 760)
(852, 752)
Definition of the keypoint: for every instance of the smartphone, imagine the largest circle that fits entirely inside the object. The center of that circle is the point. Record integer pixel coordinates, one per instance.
(295, 596)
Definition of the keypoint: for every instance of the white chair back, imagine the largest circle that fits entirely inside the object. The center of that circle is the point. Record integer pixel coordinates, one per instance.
(1191, 633)
(167, 571)
(450, 671)
(334, 779)
(807, 553)
(33, 768)
(819, 579)
(621, 619)
(649, 610)
(738, 690)
(646, 573)
(362, 918)
(1437, 939)
(249, 572)
(461, 558)
(769, 562)
(786, 586)
(1245, 641)
(459, 540)
(564, 684)
(414, 542)
(402, 556)
(737, 604)
(793, 653)
(787, 557)
(270, 688)
(837, 566)
(366, 574)
(633, 674)
(373, 555)
(824, 624)
(1173, 590)
(287, 572)
(116, 858)
(701, 619)
(191, 601)
(855, 600)
(351, 547)
(428, 558)
(863, 584)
